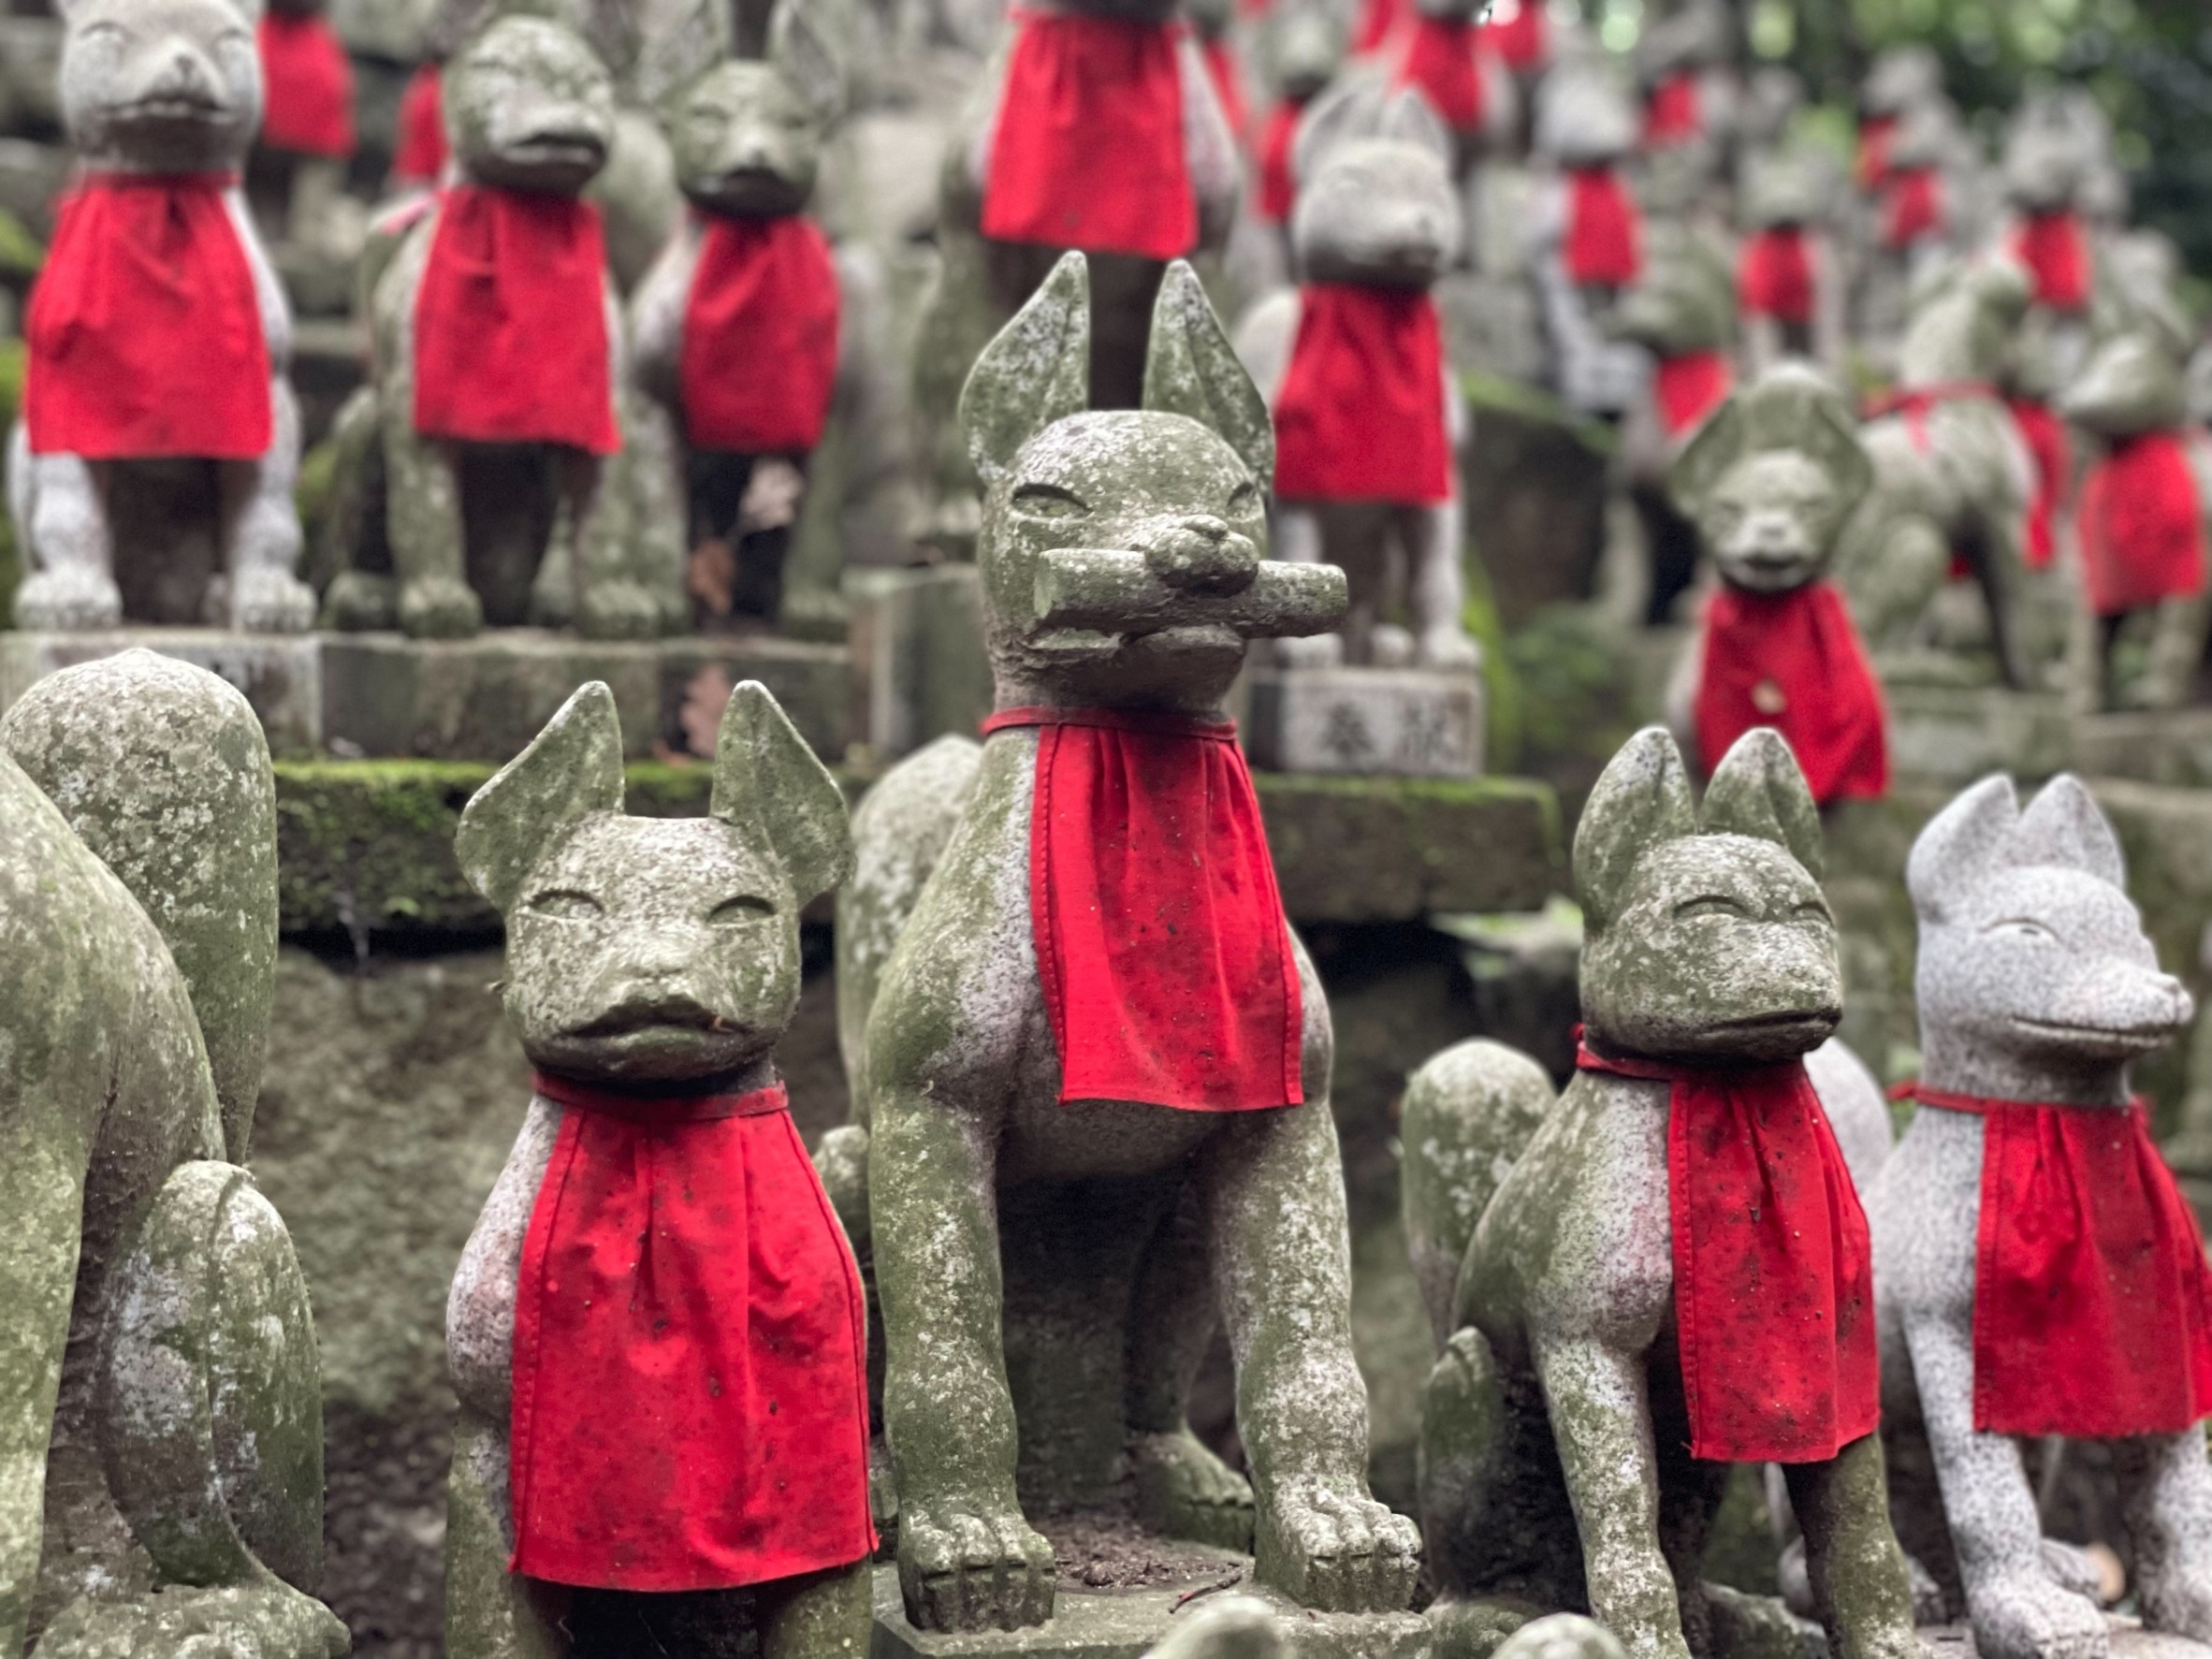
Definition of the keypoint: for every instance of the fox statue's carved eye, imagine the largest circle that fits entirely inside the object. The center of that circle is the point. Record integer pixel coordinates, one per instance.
(2022, 928)
(566, 905)
(1048, 500)
(1243, 500)
(1710, 904)
(1812, 910)
(736, 911)
(102, 34)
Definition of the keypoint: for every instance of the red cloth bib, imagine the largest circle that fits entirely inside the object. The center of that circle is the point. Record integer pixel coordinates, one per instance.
(1278, 187)
(510, 323)
(1775, 275)
(1793, 661)
(420, 158)
(2142, 525)
(2056, 251)
(1517, 33)
(760, 345)
(691, 1406)
(144, 330)
(1439, 61)
(1379, 22)
(1876, 133)
(2092, 1300)
(1604, 233)
(1689, 386)
(309, 84)
(1089, 151)
(1672, 114)
(1912, 207)
(1360, 414)
(1228, 84)
(1773, 1268)
(2044, 435)
(1167, 965)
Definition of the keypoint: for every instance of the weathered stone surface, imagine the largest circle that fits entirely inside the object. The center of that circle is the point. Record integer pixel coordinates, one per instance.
(1405, 722)
(919, 669)
(279, 674)
(1953, 734)
(1535, 478)
(2169, 747)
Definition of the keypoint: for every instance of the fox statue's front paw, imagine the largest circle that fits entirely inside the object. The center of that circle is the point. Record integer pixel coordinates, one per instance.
(2176, 1595)
(67, 600)
(272, 602)
(2024, 1615)
(973, 1566)
(1184, 1490)
(268, 1620)
(440, 607)
(1449, 648)
(1329, 1546)
(618, 609)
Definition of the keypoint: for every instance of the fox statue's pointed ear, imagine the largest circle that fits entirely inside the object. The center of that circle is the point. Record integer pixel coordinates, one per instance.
(2064, 827)
(1758, 790)
(573, 768)
(1641, 799)
(798, 47)
(768, 783)
(1962, 844)
(1036, 370)
(1192, 370)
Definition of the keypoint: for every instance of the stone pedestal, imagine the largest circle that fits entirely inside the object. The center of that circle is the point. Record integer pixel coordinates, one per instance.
(279, 672)
(2170, 747)
(1127, 1624)
(1954, 735)
(919, 665)
(1395, 722)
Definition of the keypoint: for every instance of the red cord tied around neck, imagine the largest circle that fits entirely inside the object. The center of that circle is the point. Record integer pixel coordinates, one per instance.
(1361, 414)
(1773, 1267)
(1917, 402)
(1168, 971)
(307, 80)
(2092, 1299)
(1794, 661)
(511, 324)
(689, 1369)
(759, 360)
(2141, 523)
(1089, 151)
(144, 329)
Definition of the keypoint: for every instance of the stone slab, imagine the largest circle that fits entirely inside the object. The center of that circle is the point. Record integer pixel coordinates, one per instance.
(2127, 1638)
(1394, 723)
(919, 665)
(1954, 735)
(485, 698)
(2172, 747)
(280, 673)
(1129, 1624)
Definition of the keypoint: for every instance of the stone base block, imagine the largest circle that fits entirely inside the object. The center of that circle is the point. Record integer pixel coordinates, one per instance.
(1393, 722)
(1125, 1625)
(279, 672)
(2127, 1638)
(919, 665)
(1954, 735)
(485, 698)
(2170, 747)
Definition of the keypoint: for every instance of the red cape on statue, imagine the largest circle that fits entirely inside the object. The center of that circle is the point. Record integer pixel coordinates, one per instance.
(2092, 1299)
(1089, 151)
(760, 342)
(1168, 971)
(1689, 385)
(2142, 525)
(1912, 207)
(420, 158)
(1361, 414)
(1278, 187)
(2056, 250)
(1773, 1268)
(1379, 20)
(1522, 40)
(1604, 231)
(1440, 62)
(1793, 661)
(1673, 113)
(2044, 435)
(1775, 275)
(510, 323)
(144, 331)
(307, 80)
(691, 1407)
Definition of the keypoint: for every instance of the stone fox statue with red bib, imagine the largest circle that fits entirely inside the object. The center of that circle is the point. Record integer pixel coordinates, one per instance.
(158, 338)
(656, 1332)
(1093, 1076)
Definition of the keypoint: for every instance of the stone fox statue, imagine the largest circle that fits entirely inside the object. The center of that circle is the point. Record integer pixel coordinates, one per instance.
(1044, 1217)
(157, 409)
(1604, 1362)
(2037, 1272)
(160, 1403)
(693, 1415)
